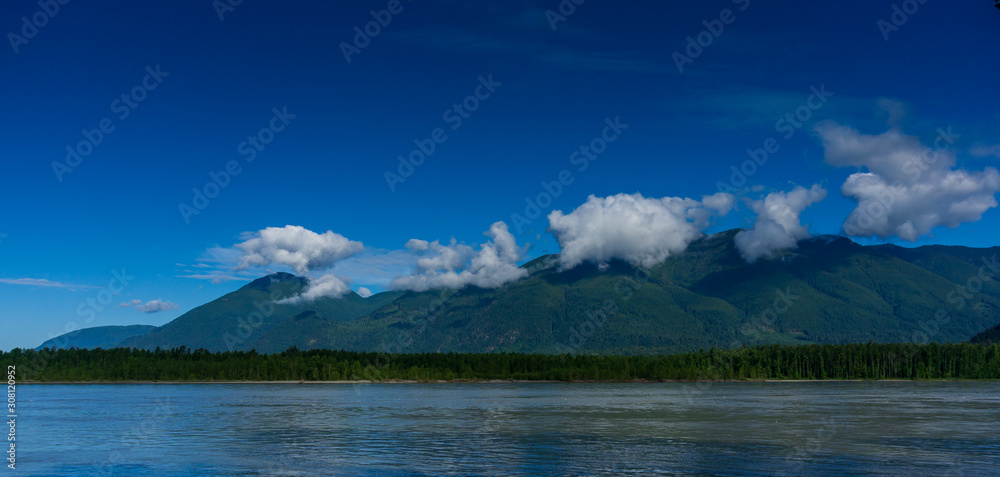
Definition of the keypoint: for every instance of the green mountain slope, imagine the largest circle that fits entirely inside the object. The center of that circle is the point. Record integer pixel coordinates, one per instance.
(97, 337)
(828, 290)
(962, 265)
(843, 292)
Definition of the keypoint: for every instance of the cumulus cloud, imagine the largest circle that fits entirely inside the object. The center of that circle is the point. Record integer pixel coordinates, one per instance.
(364, 292)
(777, 226)
(296, 247)
(152, 306)
(642, 231)
(456, 265)
(324, 286)
(906, 189)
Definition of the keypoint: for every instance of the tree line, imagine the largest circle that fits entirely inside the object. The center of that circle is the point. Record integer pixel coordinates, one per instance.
(845, 361)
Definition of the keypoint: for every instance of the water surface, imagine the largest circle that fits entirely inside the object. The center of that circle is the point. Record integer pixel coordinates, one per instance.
(828, 428)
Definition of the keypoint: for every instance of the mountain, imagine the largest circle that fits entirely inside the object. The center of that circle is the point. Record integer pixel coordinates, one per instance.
(98, 337)
(986, 337)
(240, 319)
(828, 290)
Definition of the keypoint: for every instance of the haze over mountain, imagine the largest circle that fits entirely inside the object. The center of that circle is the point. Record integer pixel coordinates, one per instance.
(827, 290)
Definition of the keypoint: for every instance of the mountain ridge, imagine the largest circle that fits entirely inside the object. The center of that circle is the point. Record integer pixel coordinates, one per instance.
(828, 290)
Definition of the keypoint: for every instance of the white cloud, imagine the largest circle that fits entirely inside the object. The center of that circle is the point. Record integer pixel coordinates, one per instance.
(908, 188)
(456, 265)
(441, 257)
(151, 306)
(328, 285)
(364, 292)
(777, 226)
(642, 231)
(296, 247)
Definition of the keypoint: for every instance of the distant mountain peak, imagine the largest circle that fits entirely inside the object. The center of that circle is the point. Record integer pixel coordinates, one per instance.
(541, 263)
(830, 238)
(265, 283)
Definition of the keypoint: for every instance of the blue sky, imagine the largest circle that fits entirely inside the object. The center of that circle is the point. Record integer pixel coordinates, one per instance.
(197, 85)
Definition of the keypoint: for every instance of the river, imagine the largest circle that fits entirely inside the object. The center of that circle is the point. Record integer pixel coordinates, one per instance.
(779, 428)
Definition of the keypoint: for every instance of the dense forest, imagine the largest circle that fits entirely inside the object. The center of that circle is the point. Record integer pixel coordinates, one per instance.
(849, 361)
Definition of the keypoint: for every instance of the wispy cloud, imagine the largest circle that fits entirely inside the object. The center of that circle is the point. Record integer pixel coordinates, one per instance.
(762, 108)
(41, 282)
(985, 151)
(539, 50)
(219, 277)
(217, 265)
(193, 265)
(377, 266)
